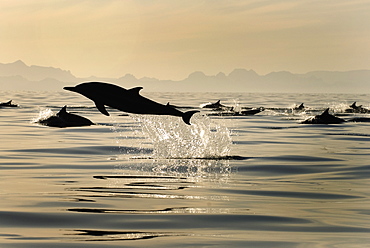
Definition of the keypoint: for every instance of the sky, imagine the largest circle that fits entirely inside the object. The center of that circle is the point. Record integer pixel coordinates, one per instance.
(169, 39)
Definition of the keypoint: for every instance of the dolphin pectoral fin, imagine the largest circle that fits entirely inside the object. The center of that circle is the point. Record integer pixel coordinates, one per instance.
(101, 108)
(135, 90)
(187, 115)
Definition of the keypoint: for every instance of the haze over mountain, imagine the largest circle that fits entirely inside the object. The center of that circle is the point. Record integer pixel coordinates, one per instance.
(19, 76)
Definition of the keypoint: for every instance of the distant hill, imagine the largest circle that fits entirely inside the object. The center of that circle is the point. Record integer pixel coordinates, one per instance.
(33, 72)
(19, 76)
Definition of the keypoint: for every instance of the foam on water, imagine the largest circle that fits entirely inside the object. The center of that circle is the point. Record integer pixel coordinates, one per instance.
(339, 107)
(42, 115)
(171, 138)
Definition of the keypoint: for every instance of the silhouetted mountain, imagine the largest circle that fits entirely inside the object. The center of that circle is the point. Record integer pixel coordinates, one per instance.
(34, 73)
(242, 75)
(19, 76)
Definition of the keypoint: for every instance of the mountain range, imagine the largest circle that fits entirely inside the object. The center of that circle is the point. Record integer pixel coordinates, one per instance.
(19, 76)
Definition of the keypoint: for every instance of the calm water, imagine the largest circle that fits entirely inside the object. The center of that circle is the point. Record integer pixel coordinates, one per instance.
(149, 181)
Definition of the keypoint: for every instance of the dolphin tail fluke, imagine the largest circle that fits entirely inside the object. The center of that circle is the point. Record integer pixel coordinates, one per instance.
(187, 115)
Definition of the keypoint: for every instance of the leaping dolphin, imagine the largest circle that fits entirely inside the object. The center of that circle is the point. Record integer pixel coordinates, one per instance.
(105, 94)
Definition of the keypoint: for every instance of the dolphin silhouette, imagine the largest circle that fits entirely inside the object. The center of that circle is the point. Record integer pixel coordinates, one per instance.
(300, 107)
(127, 100)
(8, 104)
(357, 109)
(324, 118)
(217, 106)
(65, 119)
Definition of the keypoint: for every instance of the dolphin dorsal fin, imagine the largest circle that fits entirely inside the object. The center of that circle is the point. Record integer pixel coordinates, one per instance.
(62, 111)
(9, 102)
(101, 108)
(326, 112)
(353, 105)
(218, 102)
(135, 90)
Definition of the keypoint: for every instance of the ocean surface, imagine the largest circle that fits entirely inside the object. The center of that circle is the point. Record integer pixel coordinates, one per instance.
(152, 181)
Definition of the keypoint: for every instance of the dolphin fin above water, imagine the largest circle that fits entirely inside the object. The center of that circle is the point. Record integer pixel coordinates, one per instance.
(65, 119)
(324, 118)
(326, 112)
(135, 90)
(8, 104)
(63, 111)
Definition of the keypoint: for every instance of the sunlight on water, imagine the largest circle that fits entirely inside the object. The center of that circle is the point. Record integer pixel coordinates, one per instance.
(42, 115)
(165, 146)
(153, 181)
(338, 107)
(171, 138)
(236, 106)
(196, 170)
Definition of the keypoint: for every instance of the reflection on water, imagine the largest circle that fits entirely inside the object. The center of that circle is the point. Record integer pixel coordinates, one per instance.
(192, 169)
(95, 235)
(152, 181)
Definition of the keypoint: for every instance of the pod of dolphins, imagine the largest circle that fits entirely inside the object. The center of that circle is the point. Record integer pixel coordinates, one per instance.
(130, 101)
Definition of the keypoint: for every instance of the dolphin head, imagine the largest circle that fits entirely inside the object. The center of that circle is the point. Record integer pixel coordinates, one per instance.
(81, 88)
(101, 94)
(91, 90)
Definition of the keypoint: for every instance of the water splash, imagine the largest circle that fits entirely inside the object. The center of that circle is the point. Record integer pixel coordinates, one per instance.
(236, 105)
(171, 138)
(339, 107)
(43, 115)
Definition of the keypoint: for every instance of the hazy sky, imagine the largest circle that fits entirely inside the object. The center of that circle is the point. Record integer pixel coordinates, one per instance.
(168, 39)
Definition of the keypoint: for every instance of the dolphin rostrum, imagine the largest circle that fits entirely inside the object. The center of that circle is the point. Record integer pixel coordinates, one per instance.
(105, 94)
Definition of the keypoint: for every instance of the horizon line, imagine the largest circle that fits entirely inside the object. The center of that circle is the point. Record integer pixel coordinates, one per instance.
(196, 71)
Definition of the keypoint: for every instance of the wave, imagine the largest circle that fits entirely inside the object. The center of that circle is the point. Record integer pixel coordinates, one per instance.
(350, 134)
(100, 235)
(228, 157)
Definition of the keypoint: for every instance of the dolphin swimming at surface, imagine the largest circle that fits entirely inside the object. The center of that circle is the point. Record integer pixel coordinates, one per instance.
(65, 119)
(357, 109)
(8, 104)
(127, 100)
(300, 107)
(217, 106)
(324, 118)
